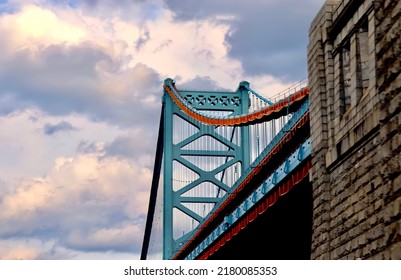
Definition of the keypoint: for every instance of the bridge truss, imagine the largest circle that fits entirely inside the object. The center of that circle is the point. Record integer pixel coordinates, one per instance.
(226, 155)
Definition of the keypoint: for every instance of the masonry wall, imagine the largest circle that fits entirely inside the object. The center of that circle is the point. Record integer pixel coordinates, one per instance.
(355, 129)
(388, 33)
(321, 86)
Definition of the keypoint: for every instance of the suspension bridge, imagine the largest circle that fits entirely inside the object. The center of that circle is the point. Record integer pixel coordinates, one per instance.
(230, 176)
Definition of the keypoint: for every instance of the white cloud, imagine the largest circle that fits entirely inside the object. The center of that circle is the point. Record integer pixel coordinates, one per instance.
(25, 249)
(81, 182)
(123, 239)
(87, 203)
(31, 248)
(34, 27)
(188, 49)
(268, 37)
(27, 151)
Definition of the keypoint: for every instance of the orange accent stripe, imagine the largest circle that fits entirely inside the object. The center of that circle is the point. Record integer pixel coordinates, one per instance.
(242, 119)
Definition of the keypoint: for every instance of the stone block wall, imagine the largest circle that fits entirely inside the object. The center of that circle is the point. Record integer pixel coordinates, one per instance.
(321, 78)
(388, 43)
(356, 146)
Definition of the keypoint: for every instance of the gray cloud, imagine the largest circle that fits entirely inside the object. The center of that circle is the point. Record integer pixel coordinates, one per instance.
(125, 9)
(268, 37)
(138, 144)
(85, 147)
(200, 83)
(61, 83)
(70, 80)
(123, 3)
(50, 129)
(119, 238)
(132, 146)
(142, 40)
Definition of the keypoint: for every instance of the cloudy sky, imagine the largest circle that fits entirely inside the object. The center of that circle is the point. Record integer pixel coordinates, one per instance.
(80, 97)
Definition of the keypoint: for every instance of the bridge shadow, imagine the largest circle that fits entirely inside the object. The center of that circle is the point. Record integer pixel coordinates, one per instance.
(283, 232)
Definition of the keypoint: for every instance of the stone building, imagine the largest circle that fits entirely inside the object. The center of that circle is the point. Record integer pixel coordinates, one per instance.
(354, 65)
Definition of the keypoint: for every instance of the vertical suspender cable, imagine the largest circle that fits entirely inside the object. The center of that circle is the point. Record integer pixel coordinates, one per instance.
(154, 187)
(226, 160)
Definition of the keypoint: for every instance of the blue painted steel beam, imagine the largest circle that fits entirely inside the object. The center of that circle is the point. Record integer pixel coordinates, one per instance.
(199, 199)
(245, 84)
(229, 153)
(235, 103)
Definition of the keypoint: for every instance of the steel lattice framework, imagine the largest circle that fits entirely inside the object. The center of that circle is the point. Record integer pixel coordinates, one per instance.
(198, 156)
(214, 146)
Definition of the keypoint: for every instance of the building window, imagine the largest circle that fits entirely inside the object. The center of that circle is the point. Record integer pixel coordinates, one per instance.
(354, 67)
(345, 78)
(362, 59)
